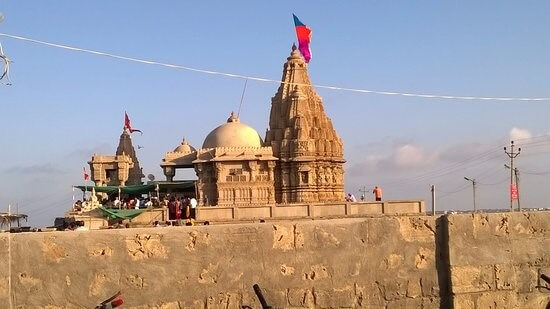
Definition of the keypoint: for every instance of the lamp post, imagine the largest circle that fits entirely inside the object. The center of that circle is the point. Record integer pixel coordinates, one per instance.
(474, 189)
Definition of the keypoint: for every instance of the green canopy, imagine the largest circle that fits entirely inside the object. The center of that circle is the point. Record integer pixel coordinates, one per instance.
(120, 213)
(141, 189)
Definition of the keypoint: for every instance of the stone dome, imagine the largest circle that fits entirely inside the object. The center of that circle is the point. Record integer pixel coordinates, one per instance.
(233, 134)
(185, 147)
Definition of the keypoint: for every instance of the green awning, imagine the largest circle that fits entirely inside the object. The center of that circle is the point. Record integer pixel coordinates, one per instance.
(120, 213)
(141, 189)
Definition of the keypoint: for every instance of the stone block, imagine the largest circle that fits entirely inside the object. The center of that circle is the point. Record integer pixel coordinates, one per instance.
(430, 285)
(298, 297)
(335, 298)
(464, 301)
(530, 250)
(526, 278)
(405, 304)
(192, 304)
(417, 229)
(393, 289)
(414, 289)
(498, 300)
(505, 277)
(369, 294)
(224, 301)
(468, 279)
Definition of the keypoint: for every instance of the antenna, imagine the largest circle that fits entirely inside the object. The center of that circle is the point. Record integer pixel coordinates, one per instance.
(242, 97)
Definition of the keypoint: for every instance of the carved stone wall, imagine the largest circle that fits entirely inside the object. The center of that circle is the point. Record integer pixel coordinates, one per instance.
(310, 152)
(110, 170)
(235, 176)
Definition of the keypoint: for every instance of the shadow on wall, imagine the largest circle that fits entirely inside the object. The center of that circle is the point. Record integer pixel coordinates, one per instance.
(442, 263)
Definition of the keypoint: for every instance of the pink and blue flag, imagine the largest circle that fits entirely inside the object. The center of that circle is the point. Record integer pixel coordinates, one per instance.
(304, 37)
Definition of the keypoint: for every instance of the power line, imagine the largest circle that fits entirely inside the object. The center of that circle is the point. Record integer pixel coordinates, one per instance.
(493, 184)
(261, 79)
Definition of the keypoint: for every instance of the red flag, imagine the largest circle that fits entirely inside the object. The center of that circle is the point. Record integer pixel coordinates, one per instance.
(86, 175)
(304, 37)
(128, 126)
(513, 192)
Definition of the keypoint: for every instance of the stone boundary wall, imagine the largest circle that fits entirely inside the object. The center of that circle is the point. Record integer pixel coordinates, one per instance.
(496, 259)
(460, 261)
(295, 211)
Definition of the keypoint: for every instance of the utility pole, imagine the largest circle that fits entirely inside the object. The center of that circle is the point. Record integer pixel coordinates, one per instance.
(474, 189)
(512, 155)
(432, 187)
(516, 174)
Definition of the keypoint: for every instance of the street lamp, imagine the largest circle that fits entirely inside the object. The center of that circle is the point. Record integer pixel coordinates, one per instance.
(474, 189)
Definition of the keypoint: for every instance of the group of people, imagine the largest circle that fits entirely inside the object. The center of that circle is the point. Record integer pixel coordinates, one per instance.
(183, 208)
(131, 203)
(377, 191)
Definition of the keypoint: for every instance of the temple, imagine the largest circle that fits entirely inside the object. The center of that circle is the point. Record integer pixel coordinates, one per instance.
(295, 172)
(310, 165)
(122, 169)
(300, 161)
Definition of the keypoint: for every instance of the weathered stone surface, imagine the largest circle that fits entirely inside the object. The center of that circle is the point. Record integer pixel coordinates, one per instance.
(495, 258)
(342, 263)
(467, 279)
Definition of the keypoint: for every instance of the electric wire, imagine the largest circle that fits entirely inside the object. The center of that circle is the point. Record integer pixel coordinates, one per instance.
(261, 79)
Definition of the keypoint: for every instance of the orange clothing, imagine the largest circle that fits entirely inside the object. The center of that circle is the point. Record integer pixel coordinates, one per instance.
(377, 192)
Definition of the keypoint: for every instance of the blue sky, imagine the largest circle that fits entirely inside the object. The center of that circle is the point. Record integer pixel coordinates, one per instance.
(63, 106)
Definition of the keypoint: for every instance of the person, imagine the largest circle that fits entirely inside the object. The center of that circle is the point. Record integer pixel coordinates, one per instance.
(377, 193)
(178, 208)
(351, 198)
(193, 203)
(172, 209)
(362, 197)
(117, 203)
(78, 205)
(187, 207)
(80, 226)
(148, 203)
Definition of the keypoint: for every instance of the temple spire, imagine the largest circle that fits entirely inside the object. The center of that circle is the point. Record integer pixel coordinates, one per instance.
(125, 147)
(304, 140)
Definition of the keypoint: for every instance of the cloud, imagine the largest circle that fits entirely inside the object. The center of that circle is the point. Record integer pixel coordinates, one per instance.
(408, 156)
(79, 153)
(518, 134)
(401, 156)
(35, 169)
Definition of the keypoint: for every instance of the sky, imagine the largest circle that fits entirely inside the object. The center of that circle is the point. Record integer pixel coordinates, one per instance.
(63, 106)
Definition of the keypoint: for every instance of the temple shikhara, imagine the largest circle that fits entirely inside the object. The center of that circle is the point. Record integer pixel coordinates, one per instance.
(295, 171)
(309, 151)
(122, 169)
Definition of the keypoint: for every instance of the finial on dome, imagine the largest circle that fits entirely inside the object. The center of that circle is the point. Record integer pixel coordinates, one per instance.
(294, 47)
(233, 118)
(184, 141)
